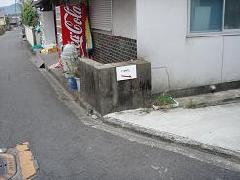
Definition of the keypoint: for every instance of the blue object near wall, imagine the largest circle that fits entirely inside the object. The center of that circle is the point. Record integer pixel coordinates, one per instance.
(72, 84)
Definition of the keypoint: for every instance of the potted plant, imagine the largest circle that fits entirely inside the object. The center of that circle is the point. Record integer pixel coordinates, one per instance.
(70, 73)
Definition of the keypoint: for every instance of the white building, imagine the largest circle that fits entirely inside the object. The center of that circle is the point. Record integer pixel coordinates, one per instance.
(47, 22)
(48, 28)
(190, 43)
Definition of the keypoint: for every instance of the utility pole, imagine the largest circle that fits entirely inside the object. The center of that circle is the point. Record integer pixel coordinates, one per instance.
(16, 7)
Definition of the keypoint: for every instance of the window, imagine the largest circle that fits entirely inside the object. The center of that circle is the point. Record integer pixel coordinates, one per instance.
(232, 14)
(214, 15)
(206, 15)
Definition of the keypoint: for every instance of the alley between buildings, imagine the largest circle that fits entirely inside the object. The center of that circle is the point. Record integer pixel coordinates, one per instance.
(65, 148)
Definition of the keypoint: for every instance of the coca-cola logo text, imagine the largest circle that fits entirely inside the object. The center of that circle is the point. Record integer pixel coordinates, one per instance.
(73, 22)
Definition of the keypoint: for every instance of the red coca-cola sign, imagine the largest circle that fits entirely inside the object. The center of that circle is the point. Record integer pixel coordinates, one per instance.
(73, 21)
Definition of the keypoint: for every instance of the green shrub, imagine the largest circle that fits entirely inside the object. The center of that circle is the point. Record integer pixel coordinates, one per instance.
(163, 100)
(7, 21)
(2, 30)
(29, 14)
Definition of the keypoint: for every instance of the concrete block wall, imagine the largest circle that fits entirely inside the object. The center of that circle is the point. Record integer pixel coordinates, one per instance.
(109, 48)
(30, 35)
(100, 88)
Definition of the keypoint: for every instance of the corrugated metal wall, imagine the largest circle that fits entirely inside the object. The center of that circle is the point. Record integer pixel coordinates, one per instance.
(101, 14)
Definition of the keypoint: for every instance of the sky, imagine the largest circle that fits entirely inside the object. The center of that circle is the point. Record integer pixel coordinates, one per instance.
(6, 2)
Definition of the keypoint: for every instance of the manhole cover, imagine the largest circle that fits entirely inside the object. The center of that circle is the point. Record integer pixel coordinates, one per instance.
(3, 167)
(7, 166)
(17, 163)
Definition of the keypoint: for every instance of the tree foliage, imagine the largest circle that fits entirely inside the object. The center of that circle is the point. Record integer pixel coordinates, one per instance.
(7, 21)
(29, 14)
(2, 30)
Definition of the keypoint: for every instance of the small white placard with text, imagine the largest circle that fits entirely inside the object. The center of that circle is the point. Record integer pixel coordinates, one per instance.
(126, 72)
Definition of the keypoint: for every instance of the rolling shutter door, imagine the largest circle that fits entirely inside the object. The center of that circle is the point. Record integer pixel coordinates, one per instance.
(101, 14)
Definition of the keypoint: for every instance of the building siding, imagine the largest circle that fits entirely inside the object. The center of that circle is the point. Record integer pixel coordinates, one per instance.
(178, 61)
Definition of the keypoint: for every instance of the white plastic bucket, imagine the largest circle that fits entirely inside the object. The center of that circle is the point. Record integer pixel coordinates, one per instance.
(78, 83)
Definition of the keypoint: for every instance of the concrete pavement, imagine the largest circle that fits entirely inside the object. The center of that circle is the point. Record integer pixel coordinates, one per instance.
(216, 125)
(67, 148)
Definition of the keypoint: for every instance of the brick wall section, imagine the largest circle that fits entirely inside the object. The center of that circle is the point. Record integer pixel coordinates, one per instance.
(110, 49)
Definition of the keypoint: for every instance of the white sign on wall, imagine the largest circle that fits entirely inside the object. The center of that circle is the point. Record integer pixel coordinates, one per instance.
(126, 72)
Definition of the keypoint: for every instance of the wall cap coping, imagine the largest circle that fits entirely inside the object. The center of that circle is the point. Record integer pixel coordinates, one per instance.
(98, 65)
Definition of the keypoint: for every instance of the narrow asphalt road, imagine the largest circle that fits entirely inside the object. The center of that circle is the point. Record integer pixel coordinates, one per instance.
(64, 146)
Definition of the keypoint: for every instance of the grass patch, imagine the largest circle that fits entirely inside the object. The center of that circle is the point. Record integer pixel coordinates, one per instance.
(163, 100)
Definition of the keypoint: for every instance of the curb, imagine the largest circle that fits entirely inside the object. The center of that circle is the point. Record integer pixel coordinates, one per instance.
(216, 103)
(172, 138)
(81, 102)
(233, 96)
